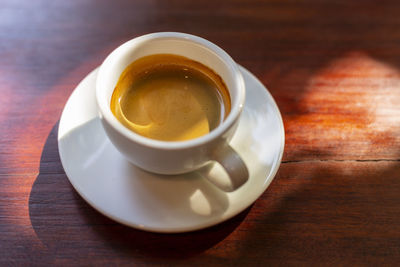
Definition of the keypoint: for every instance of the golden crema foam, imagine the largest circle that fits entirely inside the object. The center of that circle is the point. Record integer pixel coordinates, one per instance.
(170, 98)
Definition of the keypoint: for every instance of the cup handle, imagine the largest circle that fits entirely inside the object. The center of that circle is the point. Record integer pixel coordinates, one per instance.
(236, 172)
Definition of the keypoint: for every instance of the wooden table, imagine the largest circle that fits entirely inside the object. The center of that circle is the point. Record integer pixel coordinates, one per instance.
(333, 68)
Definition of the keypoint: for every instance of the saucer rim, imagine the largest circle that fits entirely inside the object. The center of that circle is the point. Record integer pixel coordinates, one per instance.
(196, 227)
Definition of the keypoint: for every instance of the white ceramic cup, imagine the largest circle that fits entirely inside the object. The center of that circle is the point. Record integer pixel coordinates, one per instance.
(165, 157)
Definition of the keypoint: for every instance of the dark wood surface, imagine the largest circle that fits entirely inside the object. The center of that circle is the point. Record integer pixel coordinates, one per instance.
(333, 68)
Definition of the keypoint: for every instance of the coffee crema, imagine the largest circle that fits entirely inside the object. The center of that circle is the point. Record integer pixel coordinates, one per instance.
(170, 98)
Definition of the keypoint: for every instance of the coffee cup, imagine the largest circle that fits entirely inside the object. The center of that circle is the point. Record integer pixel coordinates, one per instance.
(175, 157)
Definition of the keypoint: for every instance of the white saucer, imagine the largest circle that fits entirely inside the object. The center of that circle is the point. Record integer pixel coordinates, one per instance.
(159, 203)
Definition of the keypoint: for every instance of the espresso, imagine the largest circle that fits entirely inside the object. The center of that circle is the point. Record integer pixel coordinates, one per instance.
(170, 98)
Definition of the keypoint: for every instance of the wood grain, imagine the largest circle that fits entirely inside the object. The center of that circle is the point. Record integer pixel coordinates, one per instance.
(333, 68)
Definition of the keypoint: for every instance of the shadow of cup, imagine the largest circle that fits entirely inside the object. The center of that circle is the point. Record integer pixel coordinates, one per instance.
(66, 224)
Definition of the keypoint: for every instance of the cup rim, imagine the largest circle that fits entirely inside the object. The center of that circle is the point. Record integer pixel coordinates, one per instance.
(109, 117)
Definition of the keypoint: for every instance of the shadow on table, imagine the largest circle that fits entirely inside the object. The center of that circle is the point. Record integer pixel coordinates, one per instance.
(331, 213)
(65, 223)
